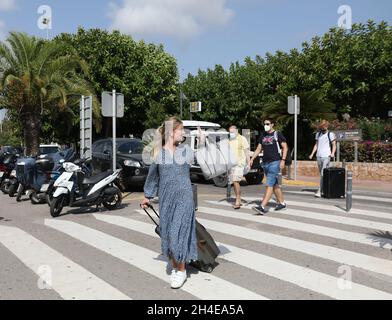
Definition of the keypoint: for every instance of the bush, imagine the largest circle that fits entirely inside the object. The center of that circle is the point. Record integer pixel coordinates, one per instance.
(368, 151)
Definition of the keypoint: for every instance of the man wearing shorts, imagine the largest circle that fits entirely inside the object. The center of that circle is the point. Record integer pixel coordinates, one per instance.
(240, 148)
(274, 147)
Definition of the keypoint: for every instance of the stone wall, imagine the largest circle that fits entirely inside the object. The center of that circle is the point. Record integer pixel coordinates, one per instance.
(361, 170)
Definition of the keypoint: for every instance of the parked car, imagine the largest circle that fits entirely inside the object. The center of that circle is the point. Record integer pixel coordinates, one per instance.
(129, 158)
(254, 176)
(48, 148)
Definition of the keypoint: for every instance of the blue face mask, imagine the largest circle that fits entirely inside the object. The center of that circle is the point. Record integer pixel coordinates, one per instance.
(233, 135)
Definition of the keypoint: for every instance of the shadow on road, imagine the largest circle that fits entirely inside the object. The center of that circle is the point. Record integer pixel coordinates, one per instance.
(90, 210)
(381, 237)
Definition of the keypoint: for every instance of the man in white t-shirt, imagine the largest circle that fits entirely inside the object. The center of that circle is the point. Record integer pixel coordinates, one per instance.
(326, 148)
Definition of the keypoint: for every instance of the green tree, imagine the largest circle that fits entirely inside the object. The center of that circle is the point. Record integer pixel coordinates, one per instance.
(38, 79)
(144, 73)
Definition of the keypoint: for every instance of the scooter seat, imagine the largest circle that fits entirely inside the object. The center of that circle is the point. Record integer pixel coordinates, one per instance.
(95, 179)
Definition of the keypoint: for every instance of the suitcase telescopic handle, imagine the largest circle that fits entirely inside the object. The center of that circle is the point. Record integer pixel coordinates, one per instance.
(152, 208)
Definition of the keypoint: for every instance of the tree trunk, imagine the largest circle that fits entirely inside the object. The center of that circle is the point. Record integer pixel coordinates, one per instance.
(32, 129)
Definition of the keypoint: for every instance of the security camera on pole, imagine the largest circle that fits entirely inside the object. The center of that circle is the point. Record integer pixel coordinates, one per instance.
(113, 106)
(294, 108)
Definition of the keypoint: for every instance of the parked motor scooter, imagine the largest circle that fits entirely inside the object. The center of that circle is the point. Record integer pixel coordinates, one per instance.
(7, 172)
(74, 189)
(51, 174)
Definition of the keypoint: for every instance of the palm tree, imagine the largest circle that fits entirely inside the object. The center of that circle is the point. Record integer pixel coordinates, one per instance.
(39, 77)
(313, 107)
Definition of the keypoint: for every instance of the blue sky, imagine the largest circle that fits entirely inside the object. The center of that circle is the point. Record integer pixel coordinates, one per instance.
(199, 33)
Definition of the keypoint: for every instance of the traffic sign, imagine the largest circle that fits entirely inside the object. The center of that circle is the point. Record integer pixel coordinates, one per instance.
(195, 106)
(107, 104)
(291, 105)
(348, 135)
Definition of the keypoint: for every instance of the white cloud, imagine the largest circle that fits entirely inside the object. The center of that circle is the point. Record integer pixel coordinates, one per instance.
(6, 5)
(182, 19)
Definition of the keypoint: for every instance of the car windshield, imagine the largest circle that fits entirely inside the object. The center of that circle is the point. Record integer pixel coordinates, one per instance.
(47, 150)
(130, 147)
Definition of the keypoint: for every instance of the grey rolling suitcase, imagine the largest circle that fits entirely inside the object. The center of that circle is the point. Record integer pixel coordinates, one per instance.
(207, 250)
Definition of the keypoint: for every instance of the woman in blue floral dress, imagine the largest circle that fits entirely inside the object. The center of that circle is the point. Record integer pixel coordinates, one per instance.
(169, 178)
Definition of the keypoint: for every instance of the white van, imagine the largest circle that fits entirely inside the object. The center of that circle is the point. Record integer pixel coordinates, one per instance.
(255, 175)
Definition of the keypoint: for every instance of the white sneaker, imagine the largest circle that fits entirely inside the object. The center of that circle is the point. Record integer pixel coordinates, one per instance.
(318, 194)
(178, 280)
(173, 275)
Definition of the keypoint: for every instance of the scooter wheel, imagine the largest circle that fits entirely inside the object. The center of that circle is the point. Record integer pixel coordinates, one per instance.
(35, 200)
(12, 190)
(115, 203)
(57, 205)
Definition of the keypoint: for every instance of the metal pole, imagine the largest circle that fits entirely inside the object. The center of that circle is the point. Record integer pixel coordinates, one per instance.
(82, 138)
(295, 136)
(349, 191)
(228, 190)
(114, 128)
(338, 151)
(280, 178)
(355, 151)
(180, 101)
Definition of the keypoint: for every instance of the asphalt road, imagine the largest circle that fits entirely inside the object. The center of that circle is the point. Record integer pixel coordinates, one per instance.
(312, 250)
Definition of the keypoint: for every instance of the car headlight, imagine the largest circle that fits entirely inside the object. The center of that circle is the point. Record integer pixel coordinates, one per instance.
(132, 163)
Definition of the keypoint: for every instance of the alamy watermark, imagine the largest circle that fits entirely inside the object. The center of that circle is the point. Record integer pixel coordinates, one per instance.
(45, 277)
(345, 280)
(346, 19)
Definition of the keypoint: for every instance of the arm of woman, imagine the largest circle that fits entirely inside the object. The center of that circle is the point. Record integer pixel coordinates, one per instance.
(151, 184)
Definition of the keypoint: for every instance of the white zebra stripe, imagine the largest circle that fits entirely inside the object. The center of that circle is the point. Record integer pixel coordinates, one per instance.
(379, 199)
(342, 256)
(300, 276)
(203, 286)
(319, 205)
(356, 222)
(68, 279)
(301, 226)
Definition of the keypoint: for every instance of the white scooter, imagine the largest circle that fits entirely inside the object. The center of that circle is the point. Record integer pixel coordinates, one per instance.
(73, 189)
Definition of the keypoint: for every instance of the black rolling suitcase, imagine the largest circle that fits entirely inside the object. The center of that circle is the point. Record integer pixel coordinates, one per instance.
(334, 183)
(207, 250)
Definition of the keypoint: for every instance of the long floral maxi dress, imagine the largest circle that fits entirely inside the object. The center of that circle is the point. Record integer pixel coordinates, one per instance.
(169, 177)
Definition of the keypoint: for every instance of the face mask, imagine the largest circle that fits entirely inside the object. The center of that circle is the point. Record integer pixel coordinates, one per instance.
(323, 130)
(233, 135)
(267, 128)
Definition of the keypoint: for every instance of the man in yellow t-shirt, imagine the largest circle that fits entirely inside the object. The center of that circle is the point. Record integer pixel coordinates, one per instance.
(240, 147)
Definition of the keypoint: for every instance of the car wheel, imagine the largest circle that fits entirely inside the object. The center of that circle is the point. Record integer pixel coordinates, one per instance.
(221, 181)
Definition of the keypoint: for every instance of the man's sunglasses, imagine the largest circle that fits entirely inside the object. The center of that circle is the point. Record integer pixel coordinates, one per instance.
(267, 123)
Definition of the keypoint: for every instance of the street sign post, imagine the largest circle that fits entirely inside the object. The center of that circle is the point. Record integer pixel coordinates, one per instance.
(194, 107)
(86, 119)
(348, 135)
(294, 107)
(113, 106)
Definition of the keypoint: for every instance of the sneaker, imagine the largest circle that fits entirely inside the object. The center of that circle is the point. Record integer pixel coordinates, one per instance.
(280, 206)
(260, 210)
(318, 194)
(178, 280)
(173, 275)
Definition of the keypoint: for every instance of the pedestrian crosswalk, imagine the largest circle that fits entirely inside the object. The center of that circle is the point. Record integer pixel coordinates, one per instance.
(318, 249)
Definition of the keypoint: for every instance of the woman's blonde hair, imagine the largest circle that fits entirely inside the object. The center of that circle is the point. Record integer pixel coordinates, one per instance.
(170, 124)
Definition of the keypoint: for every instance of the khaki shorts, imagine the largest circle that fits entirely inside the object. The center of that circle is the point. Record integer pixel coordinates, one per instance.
(236, 174)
